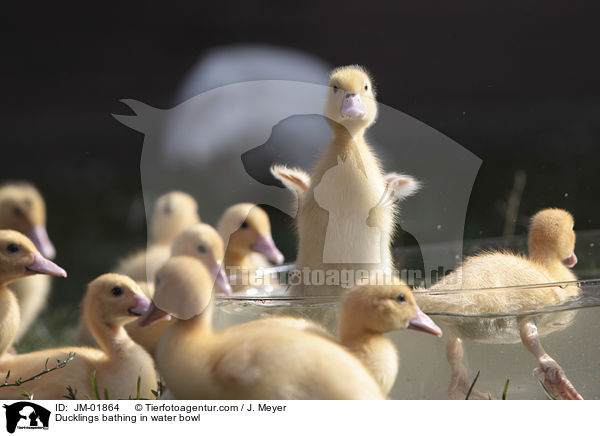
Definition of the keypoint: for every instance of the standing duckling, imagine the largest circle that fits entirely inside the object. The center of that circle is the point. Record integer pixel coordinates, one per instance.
(111, 301)
(18, 258)
(248, 360)
(551, 254)
(246, 232)
(173, 212)
(342, 221)
(202, 242)
(22, 208)
(370, 311)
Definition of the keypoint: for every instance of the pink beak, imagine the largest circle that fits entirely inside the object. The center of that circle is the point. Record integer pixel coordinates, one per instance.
(39, 237)
(352, 106)
(425, 324)
(152, 315)
(570, 261)
(41, 265)
(220, 278)
(266, 246)
(142, 305)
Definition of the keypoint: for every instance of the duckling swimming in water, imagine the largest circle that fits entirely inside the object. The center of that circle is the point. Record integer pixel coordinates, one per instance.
(551, 254)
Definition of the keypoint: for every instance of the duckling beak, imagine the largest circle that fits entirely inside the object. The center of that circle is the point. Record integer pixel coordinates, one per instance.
(152, 315)
(570, 261)
(352, 106)
(220, 278)
(41, 265)
(425, 324)
(266, 246)
(141, 306)
(39, 237)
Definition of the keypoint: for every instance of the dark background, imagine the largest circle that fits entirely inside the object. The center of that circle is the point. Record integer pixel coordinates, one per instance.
(515, 82)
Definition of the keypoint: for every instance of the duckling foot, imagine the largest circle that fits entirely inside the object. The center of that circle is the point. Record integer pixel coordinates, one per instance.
(555, 379)
(460, 382)
(459, 386)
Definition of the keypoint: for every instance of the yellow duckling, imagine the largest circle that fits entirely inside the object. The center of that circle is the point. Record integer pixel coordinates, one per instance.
(18, 258)
(173, 212)
(551, 254)
(111, 301)
(22, 208)
(244, 361)
(344, 220)
(370, 311)
(246, 231)
(202, 242)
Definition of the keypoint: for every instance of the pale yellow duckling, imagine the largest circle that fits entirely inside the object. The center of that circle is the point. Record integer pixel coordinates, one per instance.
(551, 254)
(22, 208)
(370, 311)
(244, 361)
(202, 242)
(18, 258)
(344, 220)
(246, 231)
(173, 212)
(111, 301)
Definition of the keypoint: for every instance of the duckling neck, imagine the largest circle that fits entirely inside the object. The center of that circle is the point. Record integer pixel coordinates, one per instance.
(239, 258)
(351, 333)
(342, 137)
(553, 265)
(113, 339)
(9, 318)
(202, 322)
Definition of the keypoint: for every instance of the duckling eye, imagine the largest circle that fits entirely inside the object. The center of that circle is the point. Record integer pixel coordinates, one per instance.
(366, 86)
(335, 89)
(201, 248)
(18, 211)
(245, 225)
(12, 248)
(116, 291)
(401, 298)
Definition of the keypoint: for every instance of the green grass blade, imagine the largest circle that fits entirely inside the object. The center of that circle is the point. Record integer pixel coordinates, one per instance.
(505, 389)
(94, 386)
(472, 385)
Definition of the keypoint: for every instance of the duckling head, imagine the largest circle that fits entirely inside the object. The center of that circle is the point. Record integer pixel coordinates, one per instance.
(173, 212)
(182, 288)
(249, 230)
(204, 243)
(115, 299)
(22, 208)
(383, 308)
(19, 257)
(551, 237)
(351, 100)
